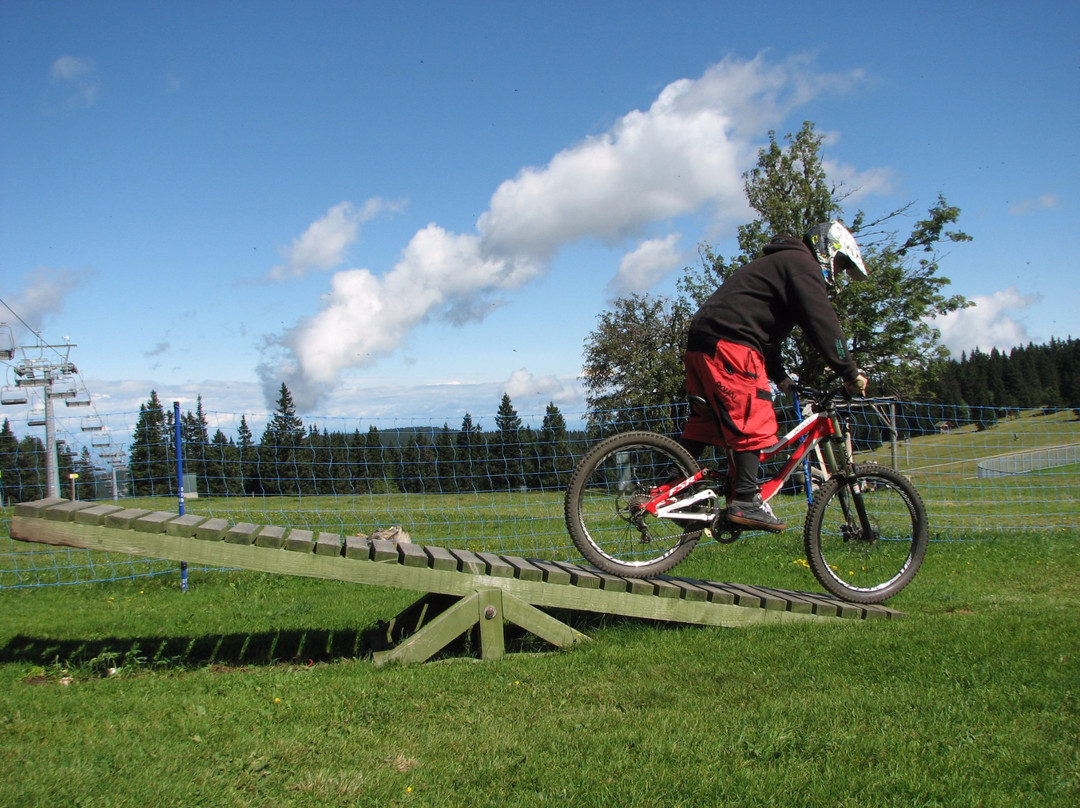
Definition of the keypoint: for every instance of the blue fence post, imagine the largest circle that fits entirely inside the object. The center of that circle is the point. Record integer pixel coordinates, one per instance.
(179, 481)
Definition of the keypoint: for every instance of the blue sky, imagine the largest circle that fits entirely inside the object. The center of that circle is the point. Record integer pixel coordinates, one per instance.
(406, 209)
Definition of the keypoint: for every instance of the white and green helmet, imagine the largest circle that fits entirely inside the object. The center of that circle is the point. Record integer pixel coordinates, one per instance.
(835, 249)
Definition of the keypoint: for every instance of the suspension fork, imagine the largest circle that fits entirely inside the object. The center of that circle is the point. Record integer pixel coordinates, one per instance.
(838, 460)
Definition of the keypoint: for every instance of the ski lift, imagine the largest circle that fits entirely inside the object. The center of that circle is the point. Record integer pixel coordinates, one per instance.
(80, 400)
(7, 342)
(65, 389)
(36, 417)
(101, 440)
(92, 423)
(13, 395)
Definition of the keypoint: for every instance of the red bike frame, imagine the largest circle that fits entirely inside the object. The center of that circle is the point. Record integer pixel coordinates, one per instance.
(805, 437)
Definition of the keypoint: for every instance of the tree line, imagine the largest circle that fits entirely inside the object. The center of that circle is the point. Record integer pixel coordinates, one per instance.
(291, 459)
(23, 468)
(1024, 377)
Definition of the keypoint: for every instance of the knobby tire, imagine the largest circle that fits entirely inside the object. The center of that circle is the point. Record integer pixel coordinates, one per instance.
(617, 474)
(872, 561)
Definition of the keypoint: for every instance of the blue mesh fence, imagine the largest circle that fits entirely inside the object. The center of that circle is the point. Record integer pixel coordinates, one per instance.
(486, 488)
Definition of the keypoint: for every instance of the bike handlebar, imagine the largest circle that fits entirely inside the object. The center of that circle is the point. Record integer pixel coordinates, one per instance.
(820, 398)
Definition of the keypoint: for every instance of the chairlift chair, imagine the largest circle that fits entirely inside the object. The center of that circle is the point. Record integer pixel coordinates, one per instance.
(7, 342)
(64, 390)
(36, 417)
(13, 395)
(92, 423)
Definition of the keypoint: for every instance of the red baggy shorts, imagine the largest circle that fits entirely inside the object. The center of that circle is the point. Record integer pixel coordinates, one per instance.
(734, 382)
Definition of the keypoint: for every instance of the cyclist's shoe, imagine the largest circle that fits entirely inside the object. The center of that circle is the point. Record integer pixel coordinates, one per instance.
(754, 513)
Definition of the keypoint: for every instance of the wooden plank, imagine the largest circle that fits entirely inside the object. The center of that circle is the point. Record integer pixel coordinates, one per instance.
(411, 555)
(580, 577)
(830, 607)
(469, 562)
(184, 525)
(36, 508)
(665, 589)
(63, 511)
(639, 586)
(153, 522)
(717, 593)
(328, 544)
(690, 589)
(769, 599)
(95, 515)
(210, 530)
(744, 598)
(270, 536)
(383, 551)
(553, 574)
(358, 548)
(495, 566)
(523, 570)
(794, 600)
(242, 533)
(439, 558)
(614, 583)
(124, 518)
(300, 541)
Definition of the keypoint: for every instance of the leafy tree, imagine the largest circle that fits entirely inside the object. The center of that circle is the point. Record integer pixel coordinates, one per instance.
(884, 316)
(633, 358)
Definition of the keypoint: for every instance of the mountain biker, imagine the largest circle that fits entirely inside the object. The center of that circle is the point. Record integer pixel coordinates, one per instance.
(733, 349)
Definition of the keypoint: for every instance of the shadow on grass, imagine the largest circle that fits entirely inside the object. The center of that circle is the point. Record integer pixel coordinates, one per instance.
(105, 656)
(292, 646)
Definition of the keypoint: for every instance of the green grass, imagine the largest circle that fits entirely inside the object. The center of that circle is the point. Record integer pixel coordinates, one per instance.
(247, 691)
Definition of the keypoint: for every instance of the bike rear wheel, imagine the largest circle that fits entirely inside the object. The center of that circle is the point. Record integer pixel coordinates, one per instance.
(603, 500)
(866, 534)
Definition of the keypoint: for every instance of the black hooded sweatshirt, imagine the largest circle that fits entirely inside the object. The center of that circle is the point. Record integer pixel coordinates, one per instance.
(760, 303)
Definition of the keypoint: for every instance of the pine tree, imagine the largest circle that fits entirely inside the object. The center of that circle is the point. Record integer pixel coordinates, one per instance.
(507, 447)
(553, 449)
(279, 448)
(469, 465)
(9, 464)
(150, 455)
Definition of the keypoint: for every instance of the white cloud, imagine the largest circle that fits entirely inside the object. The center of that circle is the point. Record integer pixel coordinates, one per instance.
(684, 154)
(859, 184)
(646, 265)
(43, 295)
(989, 324)
(1043, 202)
(324, 244)
(524, 387)
(77, 79)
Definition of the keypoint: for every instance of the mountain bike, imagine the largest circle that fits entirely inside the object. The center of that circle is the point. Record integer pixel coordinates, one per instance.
(638, 503)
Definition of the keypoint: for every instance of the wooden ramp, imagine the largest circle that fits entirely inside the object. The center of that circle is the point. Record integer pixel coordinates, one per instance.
(463, 590)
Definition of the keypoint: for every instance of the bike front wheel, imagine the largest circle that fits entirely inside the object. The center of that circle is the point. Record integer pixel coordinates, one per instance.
(603, 505)
(866, 534)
